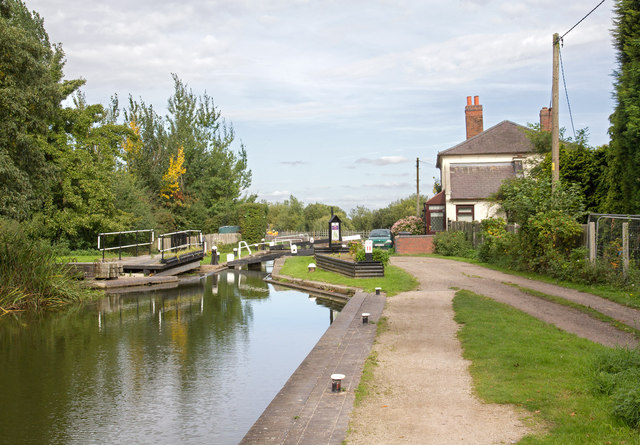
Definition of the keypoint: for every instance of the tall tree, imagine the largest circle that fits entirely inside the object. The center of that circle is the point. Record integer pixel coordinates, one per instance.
(624, 158)
(31, 90)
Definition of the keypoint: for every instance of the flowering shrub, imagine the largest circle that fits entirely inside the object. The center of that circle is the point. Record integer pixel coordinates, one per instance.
(411, 224)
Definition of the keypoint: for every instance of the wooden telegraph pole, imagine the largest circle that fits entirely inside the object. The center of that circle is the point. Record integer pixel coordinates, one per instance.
(418, 187)
(555, 126)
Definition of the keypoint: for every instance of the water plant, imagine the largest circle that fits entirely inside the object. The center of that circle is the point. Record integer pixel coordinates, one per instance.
(29, 274)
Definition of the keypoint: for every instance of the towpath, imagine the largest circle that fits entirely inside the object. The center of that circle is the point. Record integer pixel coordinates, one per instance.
(423, 390)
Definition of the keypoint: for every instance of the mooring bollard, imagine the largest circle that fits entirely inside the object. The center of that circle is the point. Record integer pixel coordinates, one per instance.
(336, 382)
(262, 245)
(214, 255)
(312, 267)
(365, 317)
(378, 289)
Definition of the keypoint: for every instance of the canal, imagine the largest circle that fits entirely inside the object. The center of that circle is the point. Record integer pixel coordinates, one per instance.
(196, 364)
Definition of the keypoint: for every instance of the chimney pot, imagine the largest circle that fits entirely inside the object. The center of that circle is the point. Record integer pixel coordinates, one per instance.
(476, 100)
(468, 100)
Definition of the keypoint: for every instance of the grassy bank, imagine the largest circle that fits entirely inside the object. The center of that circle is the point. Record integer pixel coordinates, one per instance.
(395, 280)
(520, 360)
(626, 297)
(30, 276)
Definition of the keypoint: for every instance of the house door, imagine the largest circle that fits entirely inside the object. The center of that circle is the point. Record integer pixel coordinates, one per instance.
(435, 219)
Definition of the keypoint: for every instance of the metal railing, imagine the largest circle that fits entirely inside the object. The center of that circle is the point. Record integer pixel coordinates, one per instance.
(102, 241)
(182, 240)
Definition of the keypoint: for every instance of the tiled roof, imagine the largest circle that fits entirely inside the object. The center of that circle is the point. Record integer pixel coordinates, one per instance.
(479, 181)
(504, 138)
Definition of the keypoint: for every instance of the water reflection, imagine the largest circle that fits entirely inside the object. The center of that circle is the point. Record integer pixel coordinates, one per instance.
(194, 364)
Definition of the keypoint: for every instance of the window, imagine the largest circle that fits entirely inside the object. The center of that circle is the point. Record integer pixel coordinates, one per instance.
(464, 213)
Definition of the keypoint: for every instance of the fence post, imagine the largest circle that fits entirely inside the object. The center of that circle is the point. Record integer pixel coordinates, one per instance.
(592, 242)
(625, 248)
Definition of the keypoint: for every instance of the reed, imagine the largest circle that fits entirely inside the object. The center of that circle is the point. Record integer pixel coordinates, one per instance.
(29, 274)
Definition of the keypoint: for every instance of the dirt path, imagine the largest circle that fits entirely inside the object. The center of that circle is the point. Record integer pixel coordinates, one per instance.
(423, 390)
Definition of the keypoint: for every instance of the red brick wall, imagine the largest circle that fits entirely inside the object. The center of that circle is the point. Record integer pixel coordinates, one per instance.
(414, 244)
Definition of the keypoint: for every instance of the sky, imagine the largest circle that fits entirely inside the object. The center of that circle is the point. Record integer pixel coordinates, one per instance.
(335, 100)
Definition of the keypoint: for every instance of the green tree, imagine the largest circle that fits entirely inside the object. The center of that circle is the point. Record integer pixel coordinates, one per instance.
(384, 218)
(83, 152)
(361, 218)
(31, 90)
(215, 174)
(624, 160)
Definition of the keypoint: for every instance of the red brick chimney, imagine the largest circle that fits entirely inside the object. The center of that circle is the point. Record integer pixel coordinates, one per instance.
(545, 119)
(473, 116)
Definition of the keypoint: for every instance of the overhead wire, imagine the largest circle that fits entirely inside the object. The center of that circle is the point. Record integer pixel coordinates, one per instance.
(566, 92)
(559, 42)
(580, 21)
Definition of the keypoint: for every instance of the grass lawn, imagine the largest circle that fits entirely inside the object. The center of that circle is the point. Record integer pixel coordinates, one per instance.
(520, 360)
(395, 280)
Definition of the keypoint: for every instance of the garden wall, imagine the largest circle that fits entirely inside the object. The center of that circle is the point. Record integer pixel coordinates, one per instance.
(414, 244)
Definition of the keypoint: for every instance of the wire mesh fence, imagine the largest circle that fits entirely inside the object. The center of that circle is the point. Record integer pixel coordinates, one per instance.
(615, 238)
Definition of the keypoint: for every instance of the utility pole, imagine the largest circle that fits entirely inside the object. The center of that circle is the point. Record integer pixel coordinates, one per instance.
(418, 187)
(555, 125)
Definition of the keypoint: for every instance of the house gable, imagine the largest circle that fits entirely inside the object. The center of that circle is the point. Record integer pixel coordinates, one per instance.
(505, 138)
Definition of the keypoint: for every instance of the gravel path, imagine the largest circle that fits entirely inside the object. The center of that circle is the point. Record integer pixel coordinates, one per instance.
(422, 388)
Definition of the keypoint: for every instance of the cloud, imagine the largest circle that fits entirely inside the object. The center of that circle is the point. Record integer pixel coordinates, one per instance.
(383, 160)
(277, 194)
(294, 163)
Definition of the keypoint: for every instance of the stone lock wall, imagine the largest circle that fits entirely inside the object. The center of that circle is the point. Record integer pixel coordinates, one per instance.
(414, 244)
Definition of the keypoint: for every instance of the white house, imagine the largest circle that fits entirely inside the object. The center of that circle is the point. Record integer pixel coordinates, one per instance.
(473, 170)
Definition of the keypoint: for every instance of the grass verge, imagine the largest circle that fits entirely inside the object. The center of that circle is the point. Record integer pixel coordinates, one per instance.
(395, 280)
(624, 297)
(366, 387)
(523, 361)
(582, 308)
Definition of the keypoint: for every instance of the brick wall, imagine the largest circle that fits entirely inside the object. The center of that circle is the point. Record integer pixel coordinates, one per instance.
(414, 244)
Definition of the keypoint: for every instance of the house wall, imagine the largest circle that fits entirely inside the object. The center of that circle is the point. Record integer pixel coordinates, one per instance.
(482, 208)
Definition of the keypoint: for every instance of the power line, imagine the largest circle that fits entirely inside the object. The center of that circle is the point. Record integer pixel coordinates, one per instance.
(566, 92)
(597, 6)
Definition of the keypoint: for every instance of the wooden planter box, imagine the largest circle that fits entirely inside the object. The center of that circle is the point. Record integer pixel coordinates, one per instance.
(360, 269)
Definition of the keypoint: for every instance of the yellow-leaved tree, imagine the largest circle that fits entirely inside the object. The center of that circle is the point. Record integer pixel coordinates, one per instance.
(132, 146)
(172, 179)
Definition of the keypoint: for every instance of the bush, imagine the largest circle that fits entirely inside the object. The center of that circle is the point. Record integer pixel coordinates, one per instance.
(548, 239)
(377, 254)
(411, 224)
(452, 244)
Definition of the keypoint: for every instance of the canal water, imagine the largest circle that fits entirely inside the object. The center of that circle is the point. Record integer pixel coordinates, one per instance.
(196, 364)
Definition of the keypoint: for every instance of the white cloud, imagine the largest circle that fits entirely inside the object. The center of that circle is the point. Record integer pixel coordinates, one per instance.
(383, 160)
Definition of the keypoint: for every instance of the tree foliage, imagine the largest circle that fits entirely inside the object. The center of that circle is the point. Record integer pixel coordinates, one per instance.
(31, 90)
(624, 159)
(253, 221)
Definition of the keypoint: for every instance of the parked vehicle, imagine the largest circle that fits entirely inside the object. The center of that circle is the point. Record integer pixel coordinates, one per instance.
(382, 238)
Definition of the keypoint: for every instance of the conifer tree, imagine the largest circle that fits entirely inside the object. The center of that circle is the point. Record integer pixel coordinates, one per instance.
(624, 156)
